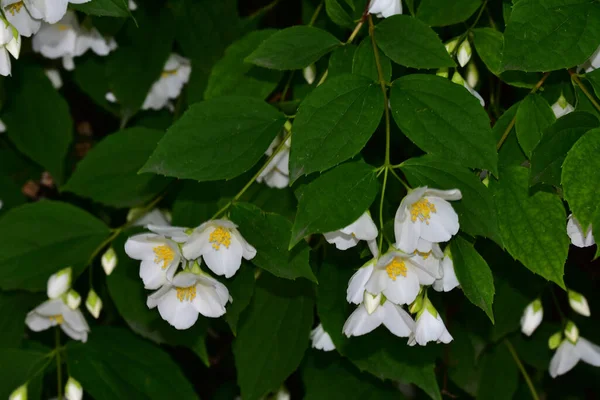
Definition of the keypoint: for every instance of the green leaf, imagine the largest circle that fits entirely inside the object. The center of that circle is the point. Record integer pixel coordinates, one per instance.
(532, 227)
(341, 60)
(499, 377)
(443, 13)
(19, 366)
(335, 200)
(273, 335)
(476, 211)
(410, 42)
(293, 48)
(14, 306)
(510, 153)
(90, 76)
(232, 76)
(241, 289)
(12, 195)
(334, 123)
(364, 62)
(534, 116)
(216, 139)
(462, 360)
(474, 275)
(41, 238)
(104, 8)
(443, 118)
(546, 35)
(340, 12)
(580, 178)
(108, 173)
(594, 78)
(139, 60)
(548, 156)
(270, 235)
(115, 364)
(38, 121)
(326, 375)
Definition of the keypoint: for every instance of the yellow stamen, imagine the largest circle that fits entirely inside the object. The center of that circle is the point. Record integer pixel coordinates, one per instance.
(58, 318)
(395, 268)
(63, 27)
(169, 72)
(164, 254)
(220, 236)
(186, 293)
(423, 255)
(422, 210)
(14, 8)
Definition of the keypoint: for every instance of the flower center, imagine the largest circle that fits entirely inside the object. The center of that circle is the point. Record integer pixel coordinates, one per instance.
(164, 254)
(14, 8)
(186, 293)
(220, 236)
(167, 73)
(422, 210)
(58, 318)
(395, 268)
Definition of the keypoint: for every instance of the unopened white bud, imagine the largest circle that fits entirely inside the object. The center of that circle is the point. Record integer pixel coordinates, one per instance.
(578, 303)
(451, 45)
(532, 317)
(93, 303)
(472, 74)
(464, 53)
(572, 332)
(73, 299)
(109, 260)
(19, 393)
(555, 340)
(310, 73)
(59, 283)
(73, 390)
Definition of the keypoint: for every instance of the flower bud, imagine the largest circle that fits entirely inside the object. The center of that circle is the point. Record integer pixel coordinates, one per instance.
(464, 53)
(371, 302)
(572, 332)
(443, 72)
(451, 45)
(416, 305)
(532, 317)
(19, 393)
(73, 390)
(73, 299)
(14, 46)
(555, 340)
(59, 283)
(109, 261)
(472, 75)
(93, 303)
(578, 303)
(310, 73)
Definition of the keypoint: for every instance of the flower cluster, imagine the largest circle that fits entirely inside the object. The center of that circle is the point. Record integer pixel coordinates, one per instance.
(170, 264)
(401, 276)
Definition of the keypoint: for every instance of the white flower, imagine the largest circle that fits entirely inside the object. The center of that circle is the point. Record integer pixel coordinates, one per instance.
(132, 5)
(54, 77)
(18, 15)
(189, 294)
(358, 281)
(154, 217)
(221, 246)
(59, 283)
(109, 261)
(159, 255)
(50, 11)
(93, 303)
(448, 281)
(591, 63)
(58, 40)
(385, 8)
(56, 312)
(562, 107)
(429, 327)
(276, 173)
(532, 317)
(578, 303)
(309, 73)
(321, 339)
(568, 355)
(398, 277)
(425, 217)
(575, 232)
(73, 390)
(362, 229)
(91, 39)
(464, 53)
(73, 299)
(10, 42)
(176, 73)
(363, 320)
(19, 393)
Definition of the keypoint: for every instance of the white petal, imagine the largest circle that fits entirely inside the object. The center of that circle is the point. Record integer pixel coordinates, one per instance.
(428, 328)
(360, 322)
(181, 314)
(588, 352)
(37, 322)
(363, 228)
(449, 280)
(443, 223)
(356, 285)
(208, 302)
(565, 358)
(59, 283)
(5, 66)
(224, 260)
(452, 194)
(397, 320)
(74, 334)
(75, 320)
(404, 289)
(154, 217)
(378, 281)
(50, 308)
(321, 339)
(175, 233)
(407, 235)
(198, 243)
(141, 247)
(21, 19)
(575, 232)
(249, 252)
(341, 240)
(155, 297)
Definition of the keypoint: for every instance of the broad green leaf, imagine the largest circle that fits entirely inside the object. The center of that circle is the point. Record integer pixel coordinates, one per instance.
(410, 42)
(510, 153)
(127, 292)
(293, 48)
(581, 178)
(139, 60)
(326, 375)
(241, 289)
(12, 195)
(108, 173)
(335, 200)
(548, 156)
(499, 377)
(14, 306)
(380, 353)
(475, 210)
(474, 275)
(39, 239)
(334, 123)
(270, 235)
(594, 78)
(340, 61)
(273, 335)
(340, 12)
(116, 364)
(38, 121)
(364, 62)
(196, 203)
(232, 76)
(104, 8)
(534, 116)
(443, 12)
(444, 119)
(532, 227)
(90, 76)
(216, 139)
(18, 366)
(545, 35)
(462, 361)
(584, 103)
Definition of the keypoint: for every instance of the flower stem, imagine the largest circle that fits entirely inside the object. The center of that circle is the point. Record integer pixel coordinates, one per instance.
(400, 179)
(385, 175)
(513, 352)
(577, 81)
(58, 363)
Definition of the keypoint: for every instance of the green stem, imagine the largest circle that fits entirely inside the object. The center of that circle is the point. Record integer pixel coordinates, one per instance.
(263, 10)
(385, 175)
(557, 304)
(315, 15)
(515, 356)
(355, 31)
(58, 363)
(400, 179)
(587, 93)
